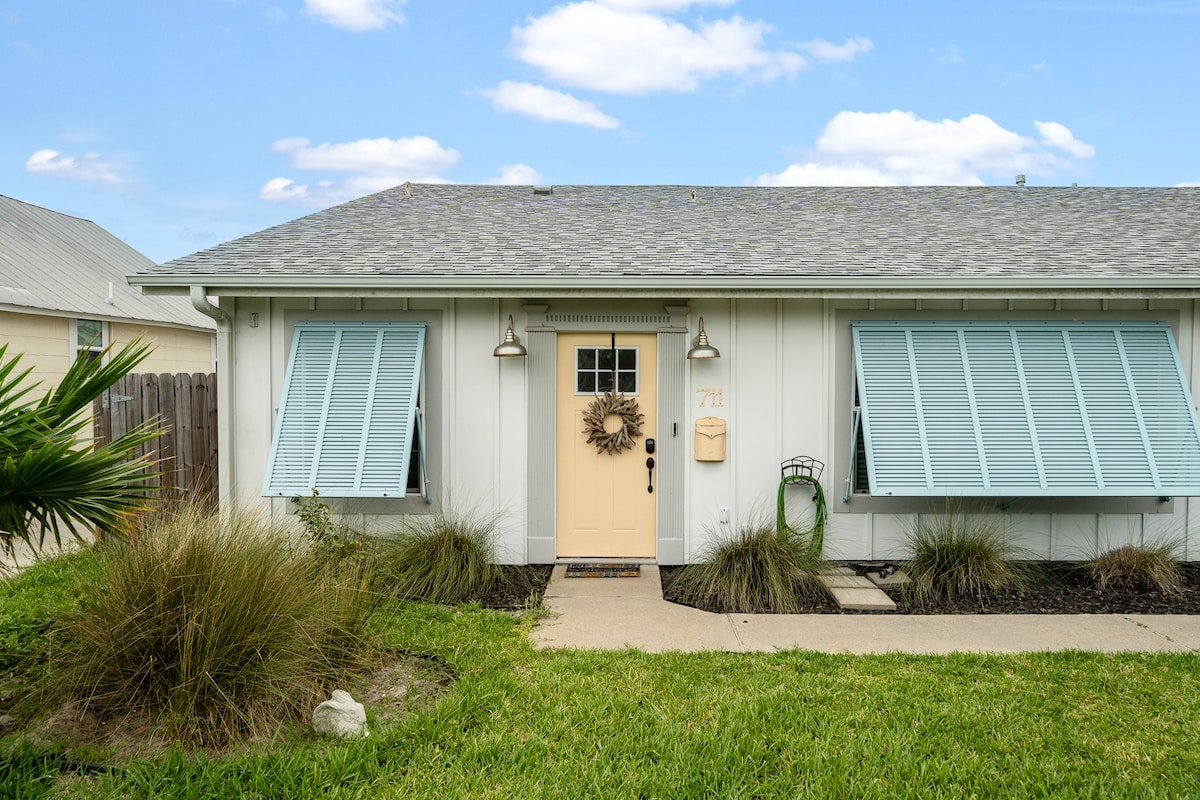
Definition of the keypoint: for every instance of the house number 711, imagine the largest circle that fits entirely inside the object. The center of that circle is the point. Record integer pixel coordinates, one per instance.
(711, 398)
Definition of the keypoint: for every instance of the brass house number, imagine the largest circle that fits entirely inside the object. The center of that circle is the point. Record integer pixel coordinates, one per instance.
(711, 398)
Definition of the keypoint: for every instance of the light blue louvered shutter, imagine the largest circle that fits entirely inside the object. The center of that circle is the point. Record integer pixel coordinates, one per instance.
(346, 421)
(1027, 409)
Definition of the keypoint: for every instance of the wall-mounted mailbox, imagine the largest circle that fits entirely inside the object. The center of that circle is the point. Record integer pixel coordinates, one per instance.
(710, 439)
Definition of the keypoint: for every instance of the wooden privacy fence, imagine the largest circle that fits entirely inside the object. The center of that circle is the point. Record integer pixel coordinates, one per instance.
(186, 407)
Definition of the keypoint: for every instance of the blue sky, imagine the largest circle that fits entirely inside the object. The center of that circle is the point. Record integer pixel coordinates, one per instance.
(178, 125)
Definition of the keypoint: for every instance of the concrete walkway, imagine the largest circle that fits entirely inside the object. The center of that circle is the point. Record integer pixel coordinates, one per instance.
(618, 613)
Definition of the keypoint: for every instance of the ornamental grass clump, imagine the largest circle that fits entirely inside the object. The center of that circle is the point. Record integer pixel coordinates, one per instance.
(219, 625)
(446, 557)
(1153, 567)
(757, 570)
(955, 555)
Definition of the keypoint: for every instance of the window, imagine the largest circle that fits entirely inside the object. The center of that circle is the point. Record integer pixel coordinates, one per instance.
(596, 368)
(349, 422)
(89, 338)
(1026, 409)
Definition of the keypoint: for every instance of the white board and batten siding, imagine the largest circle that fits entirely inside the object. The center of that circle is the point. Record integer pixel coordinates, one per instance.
(784, 385)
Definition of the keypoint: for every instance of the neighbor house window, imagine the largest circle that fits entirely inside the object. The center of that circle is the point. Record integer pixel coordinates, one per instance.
(599, 369)
(349, 422)
(89, 338)
(1022, 409)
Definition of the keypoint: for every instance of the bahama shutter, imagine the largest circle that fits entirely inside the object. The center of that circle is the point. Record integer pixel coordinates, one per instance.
(1025, 409)
(348, 414)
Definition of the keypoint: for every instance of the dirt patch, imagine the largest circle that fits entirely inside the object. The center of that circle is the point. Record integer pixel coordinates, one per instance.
(1054, 587)
(399, 683)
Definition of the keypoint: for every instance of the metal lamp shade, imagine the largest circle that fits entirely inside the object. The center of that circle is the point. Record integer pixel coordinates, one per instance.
(700, 346)
(511, 346)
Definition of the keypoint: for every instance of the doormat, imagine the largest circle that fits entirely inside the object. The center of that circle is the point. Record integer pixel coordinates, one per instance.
(579, 570)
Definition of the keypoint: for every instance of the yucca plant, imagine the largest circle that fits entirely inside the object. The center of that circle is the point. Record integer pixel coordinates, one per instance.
(955, 555)
(51, 478)
(1147, 566)
(445, 557)
(218, 623)
(757, 570)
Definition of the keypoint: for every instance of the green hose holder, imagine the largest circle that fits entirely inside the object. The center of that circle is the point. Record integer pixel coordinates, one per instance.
(803, 470)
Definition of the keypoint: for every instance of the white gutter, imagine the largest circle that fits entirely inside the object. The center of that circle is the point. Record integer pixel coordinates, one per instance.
(201, 304)
(225, 443)
(662, 286)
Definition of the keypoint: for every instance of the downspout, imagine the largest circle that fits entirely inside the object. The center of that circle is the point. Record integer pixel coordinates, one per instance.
(224, 394)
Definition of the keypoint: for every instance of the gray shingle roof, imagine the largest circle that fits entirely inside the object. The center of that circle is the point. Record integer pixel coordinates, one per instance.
(738, 234)
(65, 265)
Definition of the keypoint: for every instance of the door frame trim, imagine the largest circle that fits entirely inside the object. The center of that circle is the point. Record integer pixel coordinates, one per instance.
(542, 327)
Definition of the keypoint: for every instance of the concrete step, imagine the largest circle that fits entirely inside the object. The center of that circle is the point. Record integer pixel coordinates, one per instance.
(856, 593)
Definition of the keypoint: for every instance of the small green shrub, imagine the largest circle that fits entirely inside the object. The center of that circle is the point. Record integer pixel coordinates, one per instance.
(955, 555)
(757, 570)
(445, 557)
(1138, 566)
(331, 542)
(220, 624)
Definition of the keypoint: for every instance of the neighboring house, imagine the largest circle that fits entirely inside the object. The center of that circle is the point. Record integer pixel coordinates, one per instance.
(1024, 352)
(63, 292)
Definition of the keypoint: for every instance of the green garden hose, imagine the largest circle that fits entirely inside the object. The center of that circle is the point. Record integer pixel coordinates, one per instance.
(822, 513)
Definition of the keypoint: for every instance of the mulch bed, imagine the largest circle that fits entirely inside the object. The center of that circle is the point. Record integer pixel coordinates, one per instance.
(1054, 587)
(519, 587)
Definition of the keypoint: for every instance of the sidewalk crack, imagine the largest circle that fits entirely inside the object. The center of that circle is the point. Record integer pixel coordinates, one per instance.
(1158, 633)
(736, 635)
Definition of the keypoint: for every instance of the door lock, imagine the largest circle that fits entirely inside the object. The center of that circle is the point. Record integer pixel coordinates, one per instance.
(649, 446)
(650, 469)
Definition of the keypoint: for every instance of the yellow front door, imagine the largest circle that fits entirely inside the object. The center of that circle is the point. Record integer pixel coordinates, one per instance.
(604, 507)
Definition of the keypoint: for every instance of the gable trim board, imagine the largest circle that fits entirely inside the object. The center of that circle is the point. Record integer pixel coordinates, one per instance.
(1025, 409)
(348, 413)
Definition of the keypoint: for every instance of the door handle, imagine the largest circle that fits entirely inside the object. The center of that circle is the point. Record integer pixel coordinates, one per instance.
(650, 469)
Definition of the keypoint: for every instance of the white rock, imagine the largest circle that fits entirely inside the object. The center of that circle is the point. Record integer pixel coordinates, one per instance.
(340, 716)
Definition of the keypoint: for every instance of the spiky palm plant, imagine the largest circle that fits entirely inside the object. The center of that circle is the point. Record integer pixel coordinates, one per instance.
(53, 480)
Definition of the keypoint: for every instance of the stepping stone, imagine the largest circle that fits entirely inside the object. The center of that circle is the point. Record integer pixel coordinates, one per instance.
(897, 578)
(850, 581)
(871, 599)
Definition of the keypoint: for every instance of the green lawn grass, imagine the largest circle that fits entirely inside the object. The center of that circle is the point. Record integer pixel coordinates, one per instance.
(522, 723)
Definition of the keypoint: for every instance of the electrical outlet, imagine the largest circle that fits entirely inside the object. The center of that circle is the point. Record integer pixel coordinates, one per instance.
(724, 516)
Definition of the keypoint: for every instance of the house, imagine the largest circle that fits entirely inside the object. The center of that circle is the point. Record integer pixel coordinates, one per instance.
(1015, 351)
(63, 292)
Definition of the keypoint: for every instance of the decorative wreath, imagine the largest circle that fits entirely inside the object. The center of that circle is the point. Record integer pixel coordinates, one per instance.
(615, 405)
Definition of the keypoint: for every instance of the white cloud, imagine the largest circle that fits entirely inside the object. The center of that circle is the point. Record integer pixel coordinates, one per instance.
(415, 155)
(822, 50)
(376, 164)
(817, 174)
(516, 175)
(547, 105)
(88, 167)
(623, 47)
(1060, 138)
(661, 5)
(898, 148)
(1187, 185)
(948, 54)
(356, 15)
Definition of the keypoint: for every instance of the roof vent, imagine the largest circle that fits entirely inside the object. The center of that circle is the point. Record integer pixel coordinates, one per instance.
(543, 190)
(1020, 180)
